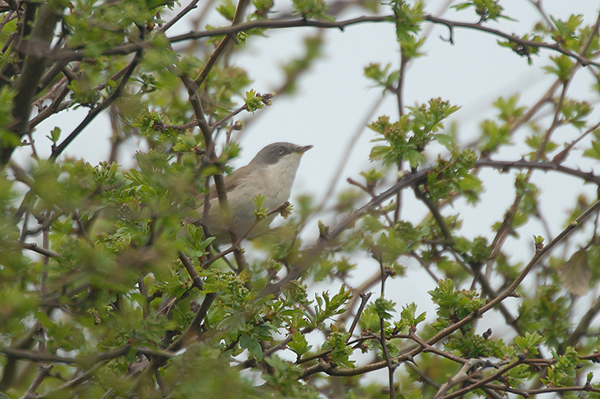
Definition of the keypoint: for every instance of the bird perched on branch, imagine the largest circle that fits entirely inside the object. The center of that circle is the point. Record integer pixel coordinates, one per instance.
(271, 173)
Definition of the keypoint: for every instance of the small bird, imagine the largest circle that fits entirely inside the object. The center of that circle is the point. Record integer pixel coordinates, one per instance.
(271, 173)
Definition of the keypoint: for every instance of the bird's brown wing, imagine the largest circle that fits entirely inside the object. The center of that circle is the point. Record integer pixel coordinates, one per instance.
(231, 181)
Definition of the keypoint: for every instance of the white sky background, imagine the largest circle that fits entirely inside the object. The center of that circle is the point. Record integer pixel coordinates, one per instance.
(334, 98)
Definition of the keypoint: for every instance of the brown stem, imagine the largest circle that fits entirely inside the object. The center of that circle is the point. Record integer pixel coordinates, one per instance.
(222, 46)
(56, 151)
(331, 370)
(33, 69)
(548, 165)
(189, 266)
(312, 253)
(283, 24)
(364, 298)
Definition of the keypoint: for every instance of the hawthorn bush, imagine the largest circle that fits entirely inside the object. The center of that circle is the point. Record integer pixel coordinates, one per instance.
(107, 292)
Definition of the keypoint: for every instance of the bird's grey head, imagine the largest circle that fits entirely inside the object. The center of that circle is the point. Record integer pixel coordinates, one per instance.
(273, 153)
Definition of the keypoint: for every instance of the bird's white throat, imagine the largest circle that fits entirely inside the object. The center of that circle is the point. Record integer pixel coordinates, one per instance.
(276, 179)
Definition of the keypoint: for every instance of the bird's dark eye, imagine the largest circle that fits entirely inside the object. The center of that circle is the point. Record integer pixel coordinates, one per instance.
(281, 150)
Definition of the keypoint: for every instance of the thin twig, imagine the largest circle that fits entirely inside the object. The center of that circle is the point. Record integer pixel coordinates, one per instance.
(407, 181)
(222, 46)
(99, 357)
(548, 166)
(296, 23)
(42, 374)
(180, 15)
(56, 151)
(364, 298)
(236, 245)
(408, 355)
(189, 266)
(42, 251)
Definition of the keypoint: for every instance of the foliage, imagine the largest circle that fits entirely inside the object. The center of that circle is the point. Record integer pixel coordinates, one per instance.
(110, 287)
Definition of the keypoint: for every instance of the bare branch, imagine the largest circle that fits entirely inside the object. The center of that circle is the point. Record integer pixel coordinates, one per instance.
(332, 370)
(56, 151)
(407, 181)
(48, 357)
(189, 266)
(548, 165)
(296, 23)
(43, 372)
(33, 68)
(43, 251)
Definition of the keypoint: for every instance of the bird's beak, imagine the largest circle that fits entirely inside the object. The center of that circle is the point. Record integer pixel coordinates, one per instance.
(302, 150)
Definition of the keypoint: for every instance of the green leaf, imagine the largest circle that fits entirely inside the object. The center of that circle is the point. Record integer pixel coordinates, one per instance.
(261, 212)
(446, 140)
(562, 68)
(54, 135)
(409, 314)
(185, 142)
(594, 152)
(383, 308)
(299, 344)
(9, 139)
(253, 347)
(529, 342)
(485, 9)
(227, 10)
(311, 9)
(253, 101)
(340, 350)
(408, 19)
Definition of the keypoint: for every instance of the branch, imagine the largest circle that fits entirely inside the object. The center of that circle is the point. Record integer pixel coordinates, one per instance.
(502, 233)
(584, 324)
(265, 98)
(364, 298)
(72, 383)
(206, 131)
(538, 255)
(56, 106)
(160, 126)
(462, 376)
(428, 348)
(86, 360)
(483, 381)
(180, 15)
(42, 373)
(449, 240)
(332, 370)
(391, 365)
(236, 245)
(43, 251)
(561, 156)
(365, 285)
(528, 392)
(189, 266)
(33, 68)
(129, 48)
(220, 50)
(523, 42)
(281, 345)
(48, 357)
(194, 328)
(280, 24)
(538, 4)
(312, 253)
(548, 165)
(56, 151)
